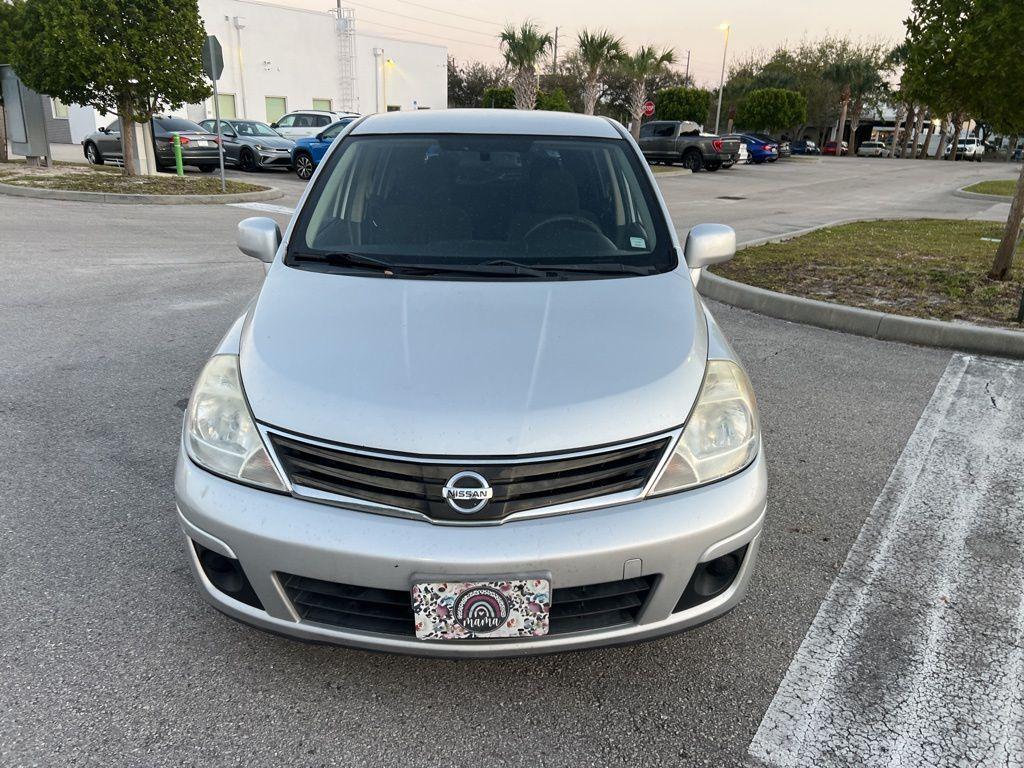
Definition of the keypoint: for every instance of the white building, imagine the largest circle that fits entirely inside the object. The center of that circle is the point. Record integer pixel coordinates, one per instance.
(278, 59)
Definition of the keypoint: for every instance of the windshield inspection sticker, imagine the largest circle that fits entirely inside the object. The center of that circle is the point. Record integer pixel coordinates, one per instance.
(638, 242)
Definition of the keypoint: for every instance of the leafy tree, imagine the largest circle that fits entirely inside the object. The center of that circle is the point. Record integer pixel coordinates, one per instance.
(130, 57)
(618, 90)
(597, 51)
(466, 85)
(769, 109)
(682, 104)
(499, 98)
(966, 56)
(524, 48)
(639, 67)
(553, 101)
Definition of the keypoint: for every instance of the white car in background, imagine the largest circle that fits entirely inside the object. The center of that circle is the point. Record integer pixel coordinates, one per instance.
(872, 149)
(306, 122)
(968, 149)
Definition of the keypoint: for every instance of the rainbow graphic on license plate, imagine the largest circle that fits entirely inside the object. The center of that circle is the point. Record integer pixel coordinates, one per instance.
(464, 610)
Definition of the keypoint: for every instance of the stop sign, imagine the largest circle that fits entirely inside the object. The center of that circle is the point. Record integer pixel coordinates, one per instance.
(648, 108)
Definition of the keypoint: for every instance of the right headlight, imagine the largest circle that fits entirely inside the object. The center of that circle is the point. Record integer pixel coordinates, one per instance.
(220, 434)
(722, 435)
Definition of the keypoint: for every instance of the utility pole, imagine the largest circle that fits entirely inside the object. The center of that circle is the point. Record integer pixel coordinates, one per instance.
(721, 84)
(687, 67)
(554, 58)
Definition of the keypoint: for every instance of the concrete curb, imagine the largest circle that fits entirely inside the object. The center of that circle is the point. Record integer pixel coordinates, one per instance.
(123, 199)
(671, 174)
(862, 322)
(962, 192)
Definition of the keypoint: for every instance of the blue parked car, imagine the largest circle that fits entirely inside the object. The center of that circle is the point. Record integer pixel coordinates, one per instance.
(310, 151)
(758, 150)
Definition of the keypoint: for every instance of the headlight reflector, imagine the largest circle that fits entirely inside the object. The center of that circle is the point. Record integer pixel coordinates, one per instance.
(220, 434)
(722, 435)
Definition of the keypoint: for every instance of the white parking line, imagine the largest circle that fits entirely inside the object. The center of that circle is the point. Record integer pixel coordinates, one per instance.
(916, 656)
(265, 207)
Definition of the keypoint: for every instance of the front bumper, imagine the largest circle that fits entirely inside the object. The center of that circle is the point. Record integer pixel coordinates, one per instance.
(269, 158)
(665, 537)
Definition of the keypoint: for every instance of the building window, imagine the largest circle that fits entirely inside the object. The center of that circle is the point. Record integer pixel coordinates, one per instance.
(276, 107)
(226, 103)
(324, 105)
(60, 109)
(394, 108)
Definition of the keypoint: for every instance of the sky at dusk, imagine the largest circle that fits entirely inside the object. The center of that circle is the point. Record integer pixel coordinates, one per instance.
(470, 27)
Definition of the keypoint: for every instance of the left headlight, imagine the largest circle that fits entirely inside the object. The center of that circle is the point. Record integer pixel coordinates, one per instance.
(722, 436)
(220, 434)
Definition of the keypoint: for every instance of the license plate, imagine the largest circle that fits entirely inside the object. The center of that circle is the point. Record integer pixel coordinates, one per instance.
(202, 143)
(466, 610)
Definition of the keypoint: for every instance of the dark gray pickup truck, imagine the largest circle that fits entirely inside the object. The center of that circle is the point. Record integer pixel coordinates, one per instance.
(680, 141)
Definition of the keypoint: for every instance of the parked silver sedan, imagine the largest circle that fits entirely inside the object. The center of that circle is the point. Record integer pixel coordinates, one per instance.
(478, 407)
(252, 145)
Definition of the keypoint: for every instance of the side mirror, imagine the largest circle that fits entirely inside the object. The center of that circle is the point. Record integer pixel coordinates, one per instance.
(103, 129)
(708, 244)
(274, 126)
(259, 237)
(319, 137)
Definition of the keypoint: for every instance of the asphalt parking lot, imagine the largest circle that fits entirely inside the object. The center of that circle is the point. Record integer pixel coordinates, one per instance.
(110, 657)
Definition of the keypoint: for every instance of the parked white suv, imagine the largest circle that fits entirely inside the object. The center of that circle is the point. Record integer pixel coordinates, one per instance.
(478, 407)
(968, 149)
(871, 149)
(306, 122)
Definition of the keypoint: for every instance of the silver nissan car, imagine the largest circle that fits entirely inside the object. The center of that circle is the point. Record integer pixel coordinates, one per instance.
(477, 407)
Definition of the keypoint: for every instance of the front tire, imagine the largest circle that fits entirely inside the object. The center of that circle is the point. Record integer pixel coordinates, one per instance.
(247, 161)
(304, 166)
(712, 167)
(207, 168)
(92, 154)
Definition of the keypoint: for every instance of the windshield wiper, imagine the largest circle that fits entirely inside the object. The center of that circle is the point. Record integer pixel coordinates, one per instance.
(345, 259)
(599, 269)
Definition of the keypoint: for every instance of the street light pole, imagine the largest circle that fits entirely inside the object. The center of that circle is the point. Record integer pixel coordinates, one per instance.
(721, 82)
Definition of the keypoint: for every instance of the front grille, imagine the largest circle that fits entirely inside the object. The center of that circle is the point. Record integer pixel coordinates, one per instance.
(389, 611)
(386, 611)
(596, 606)
(517, 485)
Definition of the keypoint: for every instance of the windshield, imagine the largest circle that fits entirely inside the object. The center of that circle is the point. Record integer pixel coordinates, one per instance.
(252, 128)
(521, 206)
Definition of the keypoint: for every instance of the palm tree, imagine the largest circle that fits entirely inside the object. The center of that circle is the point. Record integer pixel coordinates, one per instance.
(645, 62)
(523, 49)
(597, 52)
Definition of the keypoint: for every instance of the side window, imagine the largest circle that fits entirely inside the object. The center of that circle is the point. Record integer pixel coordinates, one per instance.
(209, 125)
(333, 131)
(665, 130)
(647, 130)
(321, 120)
(115, 127)
(288, 121)
(303, 121)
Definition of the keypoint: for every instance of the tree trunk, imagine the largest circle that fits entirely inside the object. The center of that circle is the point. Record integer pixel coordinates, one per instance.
(126, 115)
(942, 141)
(918, 126)
(591, 89)
(901, 115)
(910, 118)
(3, 136)
(854, 125)
(1004, 256)
(842, 126)
(637, 92)
(525, 88)
(923, 155)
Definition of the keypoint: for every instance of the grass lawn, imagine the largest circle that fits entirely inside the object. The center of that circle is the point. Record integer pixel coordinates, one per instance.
(994, 187)
(109, 179)
(930, 268)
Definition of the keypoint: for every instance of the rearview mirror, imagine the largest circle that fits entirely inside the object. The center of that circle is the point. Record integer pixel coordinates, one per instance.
(709, 244)
(259, 237)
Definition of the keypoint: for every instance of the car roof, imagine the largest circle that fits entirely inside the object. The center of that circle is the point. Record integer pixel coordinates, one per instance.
(497, 121)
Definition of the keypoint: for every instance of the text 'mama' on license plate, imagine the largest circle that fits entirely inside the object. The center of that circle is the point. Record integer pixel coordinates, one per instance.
(465, 610)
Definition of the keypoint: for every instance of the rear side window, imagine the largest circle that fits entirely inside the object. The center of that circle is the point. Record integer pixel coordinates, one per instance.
(288, 121)
(321, 120)
(165, 125)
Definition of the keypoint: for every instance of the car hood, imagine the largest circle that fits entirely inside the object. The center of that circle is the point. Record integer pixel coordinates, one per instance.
(473, 368)
(278, 142)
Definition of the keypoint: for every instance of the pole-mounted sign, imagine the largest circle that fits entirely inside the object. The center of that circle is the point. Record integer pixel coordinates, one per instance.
(213, 68)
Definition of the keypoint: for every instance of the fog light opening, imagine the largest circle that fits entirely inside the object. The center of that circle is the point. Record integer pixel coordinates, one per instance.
(226, 575)
(712, 578)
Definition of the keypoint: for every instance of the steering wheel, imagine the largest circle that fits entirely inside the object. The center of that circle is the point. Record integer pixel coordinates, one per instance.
(564, 217)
